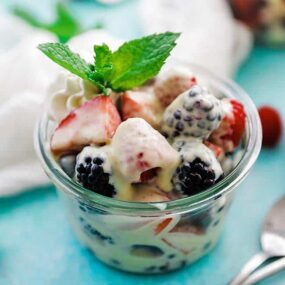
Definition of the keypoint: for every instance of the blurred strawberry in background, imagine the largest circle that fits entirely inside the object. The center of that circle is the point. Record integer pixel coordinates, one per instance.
(265, 17)
(272, 126)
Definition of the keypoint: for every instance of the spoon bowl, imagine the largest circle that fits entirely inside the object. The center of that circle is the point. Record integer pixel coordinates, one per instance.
(273, 233)
(272, 241)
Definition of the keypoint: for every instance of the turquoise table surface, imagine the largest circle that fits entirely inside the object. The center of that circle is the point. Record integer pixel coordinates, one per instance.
(37, 246)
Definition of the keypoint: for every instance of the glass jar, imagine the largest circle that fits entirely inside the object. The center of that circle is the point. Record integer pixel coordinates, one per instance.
(154, 237)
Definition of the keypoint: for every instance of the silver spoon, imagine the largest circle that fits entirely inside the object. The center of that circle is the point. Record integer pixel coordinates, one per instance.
(266, 271)
(272, 242)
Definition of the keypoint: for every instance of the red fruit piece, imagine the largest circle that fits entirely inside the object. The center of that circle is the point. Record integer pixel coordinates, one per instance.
(161, 226)
(229, 133)
(148, 175)
(173, 83)
(271, 126)
(141, 104)
(248, 11)
(94, 122)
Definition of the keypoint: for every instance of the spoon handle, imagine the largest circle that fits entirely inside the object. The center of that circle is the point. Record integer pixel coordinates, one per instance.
(249, 267)
(266, 271)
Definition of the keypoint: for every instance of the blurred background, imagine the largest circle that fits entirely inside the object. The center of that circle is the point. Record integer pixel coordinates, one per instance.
(239, 39)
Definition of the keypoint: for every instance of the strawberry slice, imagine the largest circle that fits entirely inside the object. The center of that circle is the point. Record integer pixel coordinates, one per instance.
(172, 83)
(94, 122)
(149, 174)
(162, 225)
(229, 133)
(141, 104)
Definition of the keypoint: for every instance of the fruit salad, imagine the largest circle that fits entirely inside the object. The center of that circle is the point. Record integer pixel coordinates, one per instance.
(130, 129)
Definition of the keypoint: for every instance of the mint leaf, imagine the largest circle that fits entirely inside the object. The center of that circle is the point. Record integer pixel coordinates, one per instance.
(128, 67)
(65, 26)
(102, 67)
(62, 55)
(28, 17)
(141, 59)
(103, 63)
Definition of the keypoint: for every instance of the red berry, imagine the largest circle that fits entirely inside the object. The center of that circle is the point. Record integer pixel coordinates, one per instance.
(162, 225)
(141, 104)
(148, 175)
(248, 11)
(271, 126)
(239, 124)
(92, 123)
(229, 133)
(172, 84)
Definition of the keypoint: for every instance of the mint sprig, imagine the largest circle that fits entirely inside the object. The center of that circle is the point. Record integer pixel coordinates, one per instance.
(141, 59)
(129, 66)
(62, 55)
(103, 67)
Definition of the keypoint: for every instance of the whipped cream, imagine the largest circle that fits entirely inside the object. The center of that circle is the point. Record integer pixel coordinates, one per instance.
(67, 93)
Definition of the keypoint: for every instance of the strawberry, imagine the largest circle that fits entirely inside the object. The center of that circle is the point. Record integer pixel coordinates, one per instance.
(174, 82)
(141, 104)
(94, 122)
(162, 225)
(148, 175)
(248, 11)
(271, 126)
(229, 133)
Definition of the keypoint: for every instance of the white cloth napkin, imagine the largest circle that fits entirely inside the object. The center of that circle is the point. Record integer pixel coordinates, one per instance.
(210, 37)
(25, 75)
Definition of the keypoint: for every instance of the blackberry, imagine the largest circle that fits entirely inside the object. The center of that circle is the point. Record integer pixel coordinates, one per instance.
(94, 233)
(198, 169)
(94, 172)
(164, 268)
(194, 113)
(194, 177)
(146, 250)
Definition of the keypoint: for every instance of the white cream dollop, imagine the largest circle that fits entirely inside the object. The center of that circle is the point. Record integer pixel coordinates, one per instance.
(67, 93)
(137, 147)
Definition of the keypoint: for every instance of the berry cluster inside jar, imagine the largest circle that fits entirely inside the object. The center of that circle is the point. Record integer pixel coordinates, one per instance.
(170, 138)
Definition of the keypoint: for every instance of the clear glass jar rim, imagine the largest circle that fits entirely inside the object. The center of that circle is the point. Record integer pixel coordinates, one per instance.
(252, 149)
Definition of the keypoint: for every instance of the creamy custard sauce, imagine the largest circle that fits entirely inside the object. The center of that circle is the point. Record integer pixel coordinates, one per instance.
(136, 148)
